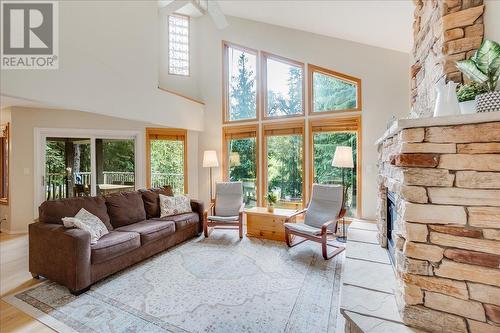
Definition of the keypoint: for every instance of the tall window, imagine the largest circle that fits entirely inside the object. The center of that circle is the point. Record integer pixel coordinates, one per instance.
(284, 86)
(333, 92)
(166, 158)
(115, 165)
(4, 164)
(240, 161)
(240, 83)
(326, 135)
(284, 162)
(178, 45)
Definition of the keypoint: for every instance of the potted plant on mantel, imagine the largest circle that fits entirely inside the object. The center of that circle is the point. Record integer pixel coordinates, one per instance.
(467, 93)
(484, 68)
(271, 201)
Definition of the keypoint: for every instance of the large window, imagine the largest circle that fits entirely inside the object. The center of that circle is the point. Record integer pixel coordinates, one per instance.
(326, 135)
(330, 91)
(240, 83)
(166, 158)
(115, 165)
(284, 162)
(4, 164)
(283, 86)
(240, 159)
(178, 45)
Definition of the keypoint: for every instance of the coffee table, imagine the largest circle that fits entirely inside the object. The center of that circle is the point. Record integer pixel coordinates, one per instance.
(263, 224)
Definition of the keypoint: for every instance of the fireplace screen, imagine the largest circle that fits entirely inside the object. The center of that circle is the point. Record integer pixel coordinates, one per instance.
(392, 216)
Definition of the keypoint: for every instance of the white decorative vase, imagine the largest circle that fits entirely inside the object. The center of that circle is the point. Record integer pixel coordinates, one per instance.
(467, 107)
(488, 102)
(447, 100)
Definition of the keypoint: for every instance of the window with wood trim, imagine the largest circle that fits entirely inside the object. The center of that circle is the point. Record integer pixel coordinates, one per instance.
(4, 164)
(330, 91)
(283, 86)
(166, 158)
(240, 159)
(178, 45)
(325, 136)
(240, 86)
(284, 162)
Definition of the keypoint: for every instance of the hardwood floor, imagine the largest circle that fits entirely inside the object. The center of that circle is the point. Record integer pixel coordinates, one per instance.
(14, 276)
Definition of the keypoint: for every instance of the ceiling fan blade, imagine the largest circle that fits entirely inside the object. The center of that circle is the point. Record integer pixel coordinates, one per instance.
(217, 15)
(172, 7)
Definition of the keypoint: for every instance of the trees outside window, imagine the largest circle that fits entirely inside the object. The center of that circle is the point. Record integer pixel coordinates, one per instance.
(240, 83)
(332, 92)
(284, 87)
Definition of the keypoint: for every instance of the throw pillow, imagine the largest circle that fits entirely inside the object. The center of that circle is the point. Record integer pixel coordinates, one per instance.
(174, 205)
(88, 222)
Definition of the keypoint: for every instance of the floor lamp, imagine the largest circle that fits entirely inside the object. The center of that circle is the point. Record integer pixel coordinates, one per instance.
(210, 161)
(343, 159)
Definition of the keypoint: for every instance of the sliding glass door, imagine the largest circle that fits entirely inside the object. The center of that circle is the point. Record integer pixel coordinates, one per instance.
(115, 165)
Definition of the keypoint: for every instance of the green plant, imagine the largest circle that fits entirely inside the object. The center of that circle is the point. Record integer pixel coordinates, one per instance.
(271, 198)
(468, 92)
(484, 65)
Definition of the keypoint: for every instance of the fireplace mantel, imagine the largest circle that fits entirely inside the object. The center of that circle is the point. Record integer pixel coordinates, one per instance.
(445, 176)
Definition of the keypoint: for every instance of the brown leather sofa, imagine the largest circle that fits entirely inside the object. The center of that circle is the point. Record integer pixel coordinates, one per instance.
(136, 232)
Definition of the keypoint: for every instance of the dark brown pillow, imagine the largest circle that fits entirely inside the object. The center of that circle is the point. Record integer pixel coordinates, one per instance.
(125, 208)
(151, 200)
(53, 211)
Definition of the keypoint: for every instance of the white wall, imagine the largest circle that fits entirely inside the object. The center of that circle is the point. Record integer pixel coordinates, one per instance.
(492, 20)
(384, 76)
(25, 120)
(109, 64)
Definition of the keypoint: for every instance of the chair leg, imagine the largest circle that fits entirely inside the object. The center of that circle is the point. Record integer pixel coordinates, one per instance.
(205, 228)
(324, 249)
(287, 237)
(240, 228)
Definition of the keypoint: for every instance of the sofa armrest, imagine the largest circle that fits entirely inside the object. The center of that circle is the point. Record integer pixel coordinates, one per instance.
(60, 254)
(199, 208)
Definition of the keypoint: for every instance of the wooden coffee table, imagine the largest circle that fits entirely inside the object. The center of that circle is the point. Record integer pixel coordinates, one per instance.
(263, 224)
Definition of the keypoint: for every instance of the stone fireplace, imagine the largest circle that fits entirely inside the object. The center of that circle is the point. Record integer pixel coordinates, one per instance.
(439, 185)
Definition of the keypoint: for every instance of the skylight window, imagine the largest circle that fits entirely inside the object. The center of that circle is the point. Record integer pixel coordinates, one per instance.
(178, 45)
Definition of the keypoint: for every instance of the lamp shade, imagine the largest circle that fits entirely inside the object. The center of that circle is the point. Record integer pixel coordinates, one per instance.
(343, 157)
(210, 159)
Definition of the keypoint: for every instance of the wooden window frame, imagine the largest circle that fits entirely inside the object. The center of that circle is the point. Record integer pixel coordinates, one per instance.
(283, 125)
(225, 82)
(189, 44)
(311, 69)
(4, 173)
(264, 57)
(242, 129)
(177, 134)
(339, 124)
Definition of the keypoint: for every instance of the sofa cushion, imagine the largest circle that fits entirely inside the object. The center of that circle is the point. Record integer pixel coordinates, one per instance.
(113, 245)
(125, 208)
(53, 211)
(181, 220)
(151, 200)
(150, 230)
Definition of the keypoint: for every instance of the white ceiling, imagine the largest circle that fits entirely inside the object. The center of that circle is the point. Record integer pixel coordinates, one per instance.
(386, 24)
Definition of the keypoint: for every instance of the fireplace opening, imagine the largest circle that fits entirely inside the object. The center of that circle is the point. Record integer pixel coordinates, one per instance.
(392, 216)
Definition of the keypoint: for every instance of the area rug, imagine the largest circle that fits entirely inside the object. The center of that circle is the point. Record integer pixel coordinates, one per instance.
(219, 284)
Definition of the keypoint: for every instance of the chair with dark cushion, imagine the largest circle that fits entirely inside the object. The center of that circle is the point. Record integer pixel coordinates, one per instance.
(227, 209)
(325, 209)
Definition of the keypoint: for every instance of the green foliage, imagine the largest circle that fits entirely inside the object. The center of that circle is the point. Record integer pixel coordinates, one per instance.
(468, 92)
(246, 149)
(119, 155)
(271, 198)
(484, 65)
(242, 94)
(333, 94)
(279, 105)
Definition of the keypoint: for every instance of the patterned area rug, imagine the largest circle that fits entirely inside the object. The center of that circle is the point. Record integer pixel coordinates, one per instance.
(220, 284)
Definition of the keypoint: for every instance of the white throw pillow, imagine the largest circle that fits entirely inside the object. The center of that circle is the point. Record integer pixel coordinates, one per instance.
(175, 205)
(89, 222)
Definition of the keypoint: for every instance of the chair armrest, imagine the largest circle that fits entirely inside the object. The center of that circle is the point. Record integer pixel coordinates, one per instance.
(242, 208)
(297, 213)
(324, 227)
(197, 206)
(342, 213)
(60, 254)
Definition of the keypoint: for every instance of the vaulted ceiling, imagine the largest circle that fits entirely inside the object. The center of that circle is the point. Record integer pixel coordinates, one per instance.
(386, 24)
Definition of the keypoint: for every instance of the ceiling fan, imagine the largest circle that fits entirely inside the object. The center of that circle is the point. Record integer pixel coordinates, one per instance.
(202, 6)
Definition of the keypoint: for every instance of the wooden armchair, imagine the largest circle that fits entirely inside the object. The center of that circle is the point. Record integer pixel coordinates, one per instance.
(226, 212)
(325, 209)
